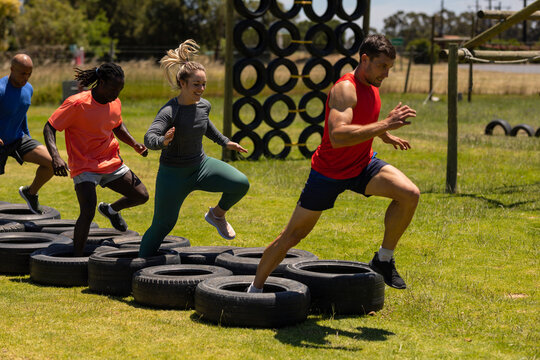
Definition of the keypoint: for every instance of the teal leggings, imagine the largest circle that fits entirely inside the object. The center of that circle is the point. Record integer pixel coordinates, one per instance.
(174, 184)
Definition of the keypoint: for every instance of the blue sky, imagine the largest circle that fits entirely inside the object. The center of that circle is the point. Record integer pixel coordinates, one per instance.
(381, 9)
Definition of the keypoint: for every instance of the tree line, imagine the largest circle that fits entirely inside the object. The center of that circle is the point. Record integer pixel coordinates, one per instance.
(145, 28)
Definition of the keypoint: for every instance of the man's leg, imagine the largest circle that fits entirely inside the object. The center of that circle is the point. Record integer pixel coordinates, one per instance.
(393, 184)
(134, 193)
(86, 194)
(44, 172)
(300, 225)
(132, 188)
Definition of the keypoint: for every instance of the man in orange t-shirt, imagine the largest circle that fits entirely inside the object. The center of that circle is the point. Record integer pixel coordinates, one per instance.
(91, 119)
(345, 161)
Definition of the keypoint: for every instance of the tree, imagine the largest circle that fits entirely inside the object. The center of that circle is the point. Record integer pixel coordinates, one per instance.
(57, 23)
(9, 9)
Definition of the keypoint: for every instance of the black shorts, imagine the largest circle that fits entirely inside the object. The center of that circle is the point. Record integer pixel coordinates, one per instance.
(320, 192)
(17, 150)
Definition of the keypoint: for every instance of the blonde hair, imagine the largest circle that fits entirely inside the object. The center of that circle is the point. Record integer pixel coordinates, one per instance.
(177, 64)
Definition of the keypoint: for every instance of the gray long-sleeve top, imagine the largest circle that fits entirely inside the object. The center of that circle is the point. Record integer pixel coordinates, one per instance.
(191, 122)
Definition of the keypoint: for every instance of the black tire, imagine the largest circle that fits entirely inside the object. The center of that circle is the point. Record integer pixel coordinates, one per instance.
(271, 69)
(261, 32)
(527, 128)
(266, 144)
(96, 236)
(267, 109)
(284, 15)
(361, 7)
(244, 261)
(111, 272)
(328, 78)
(170, 242)
(302, 105)
(330, 40)
(273, 34)
(498, 122)
(224, 301)
(358, 38)
(172, 286)
(257, 144)
(10, 226)
(340, 64)
(259, 83)
(15, 249)
(53, 226)
(327, 16)
(537, 133)
(202, 255)
(245, 12)
(340, 287)
(21, 213)
(304, 136)
(57, 266)
(257, 109)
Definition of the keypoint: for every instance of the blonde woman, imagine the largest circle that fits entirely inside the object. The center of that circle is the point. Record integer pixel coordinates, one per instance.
(177, 131)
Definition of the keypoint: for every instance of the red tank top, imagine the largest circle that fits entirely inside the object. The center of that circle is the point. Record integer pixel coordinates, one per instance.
(349, 161)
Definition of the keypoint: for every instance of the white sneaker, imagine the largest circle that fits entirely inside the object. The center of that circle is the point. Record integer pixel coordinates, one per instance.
(223, 227)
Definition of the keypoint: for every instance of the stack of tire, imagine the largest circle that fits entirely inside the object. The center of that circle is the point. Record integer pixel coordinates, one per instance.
(509, 129)
(269, 39)
(211, 279)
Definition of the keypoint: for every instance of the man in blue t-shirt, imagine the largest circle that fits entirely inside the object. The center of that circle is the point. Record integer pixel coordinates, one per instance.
(15, 141)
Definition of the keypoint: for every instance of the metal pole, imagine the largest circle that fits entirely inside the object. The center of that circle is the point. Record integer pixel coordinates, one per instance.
(365, 25)
(469, 93)
(451, 159)
(525, 25)
(408, 72)
(228, 96)
(431, 56)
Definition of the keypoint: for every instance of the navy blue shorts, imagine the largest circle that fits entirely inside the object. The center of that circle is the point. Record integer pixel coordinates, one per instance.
(320, 192)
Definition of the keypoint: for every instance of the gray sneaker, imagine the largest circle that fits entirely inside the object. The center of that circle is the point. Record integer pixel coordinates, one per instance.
(223, 227)
(31, 200)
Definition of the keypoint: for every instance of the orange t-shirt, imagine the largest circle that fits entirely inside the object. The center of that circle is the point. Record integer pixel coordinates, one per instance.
(90, 142)
(349, 161)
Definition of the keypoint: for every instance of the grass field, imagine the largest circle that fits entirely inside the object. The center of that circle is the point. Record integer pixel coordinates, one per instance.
(470, 259)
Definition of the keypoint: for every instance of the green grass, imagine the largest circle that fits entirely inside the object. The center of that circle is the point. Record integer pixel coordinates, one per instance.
(470, 259)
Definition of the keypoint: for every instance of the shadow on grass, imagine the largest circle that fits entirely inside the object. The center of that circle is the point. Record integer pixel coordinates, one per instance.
(310, 334)
(496, 203)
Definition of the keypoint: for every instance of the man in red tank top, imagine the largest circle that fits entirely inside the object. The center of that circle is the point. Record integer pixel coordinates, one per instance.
(345, 161)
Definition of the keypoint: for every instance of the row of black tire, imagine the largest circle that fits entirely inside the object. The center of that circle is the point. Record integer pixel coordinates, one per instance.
(262, 146)
(333, 7)
(265, 76)
(269, 38)
(213, 280)
(509, 130)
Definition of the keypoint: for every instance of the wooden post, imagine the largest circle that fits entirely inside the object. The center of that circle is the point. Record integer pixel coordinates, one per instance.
(228, 95)
(502, 26)
(431, 56)
(408, 72)
(451, 157)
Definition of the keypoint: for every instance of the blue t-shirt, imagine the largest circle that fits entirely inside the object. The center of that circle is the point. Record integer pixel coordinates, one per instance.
(14, 103)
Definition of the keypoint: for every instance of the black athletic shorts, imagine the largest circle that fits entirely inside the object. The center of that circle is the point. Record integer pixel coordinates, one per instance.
(17, 150)
(320, 192)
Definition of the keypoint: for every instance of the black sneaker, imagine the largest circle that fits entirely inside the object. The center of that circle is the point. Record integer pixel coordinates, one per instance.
(31, 200)
(388, 270)
(117, 221)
